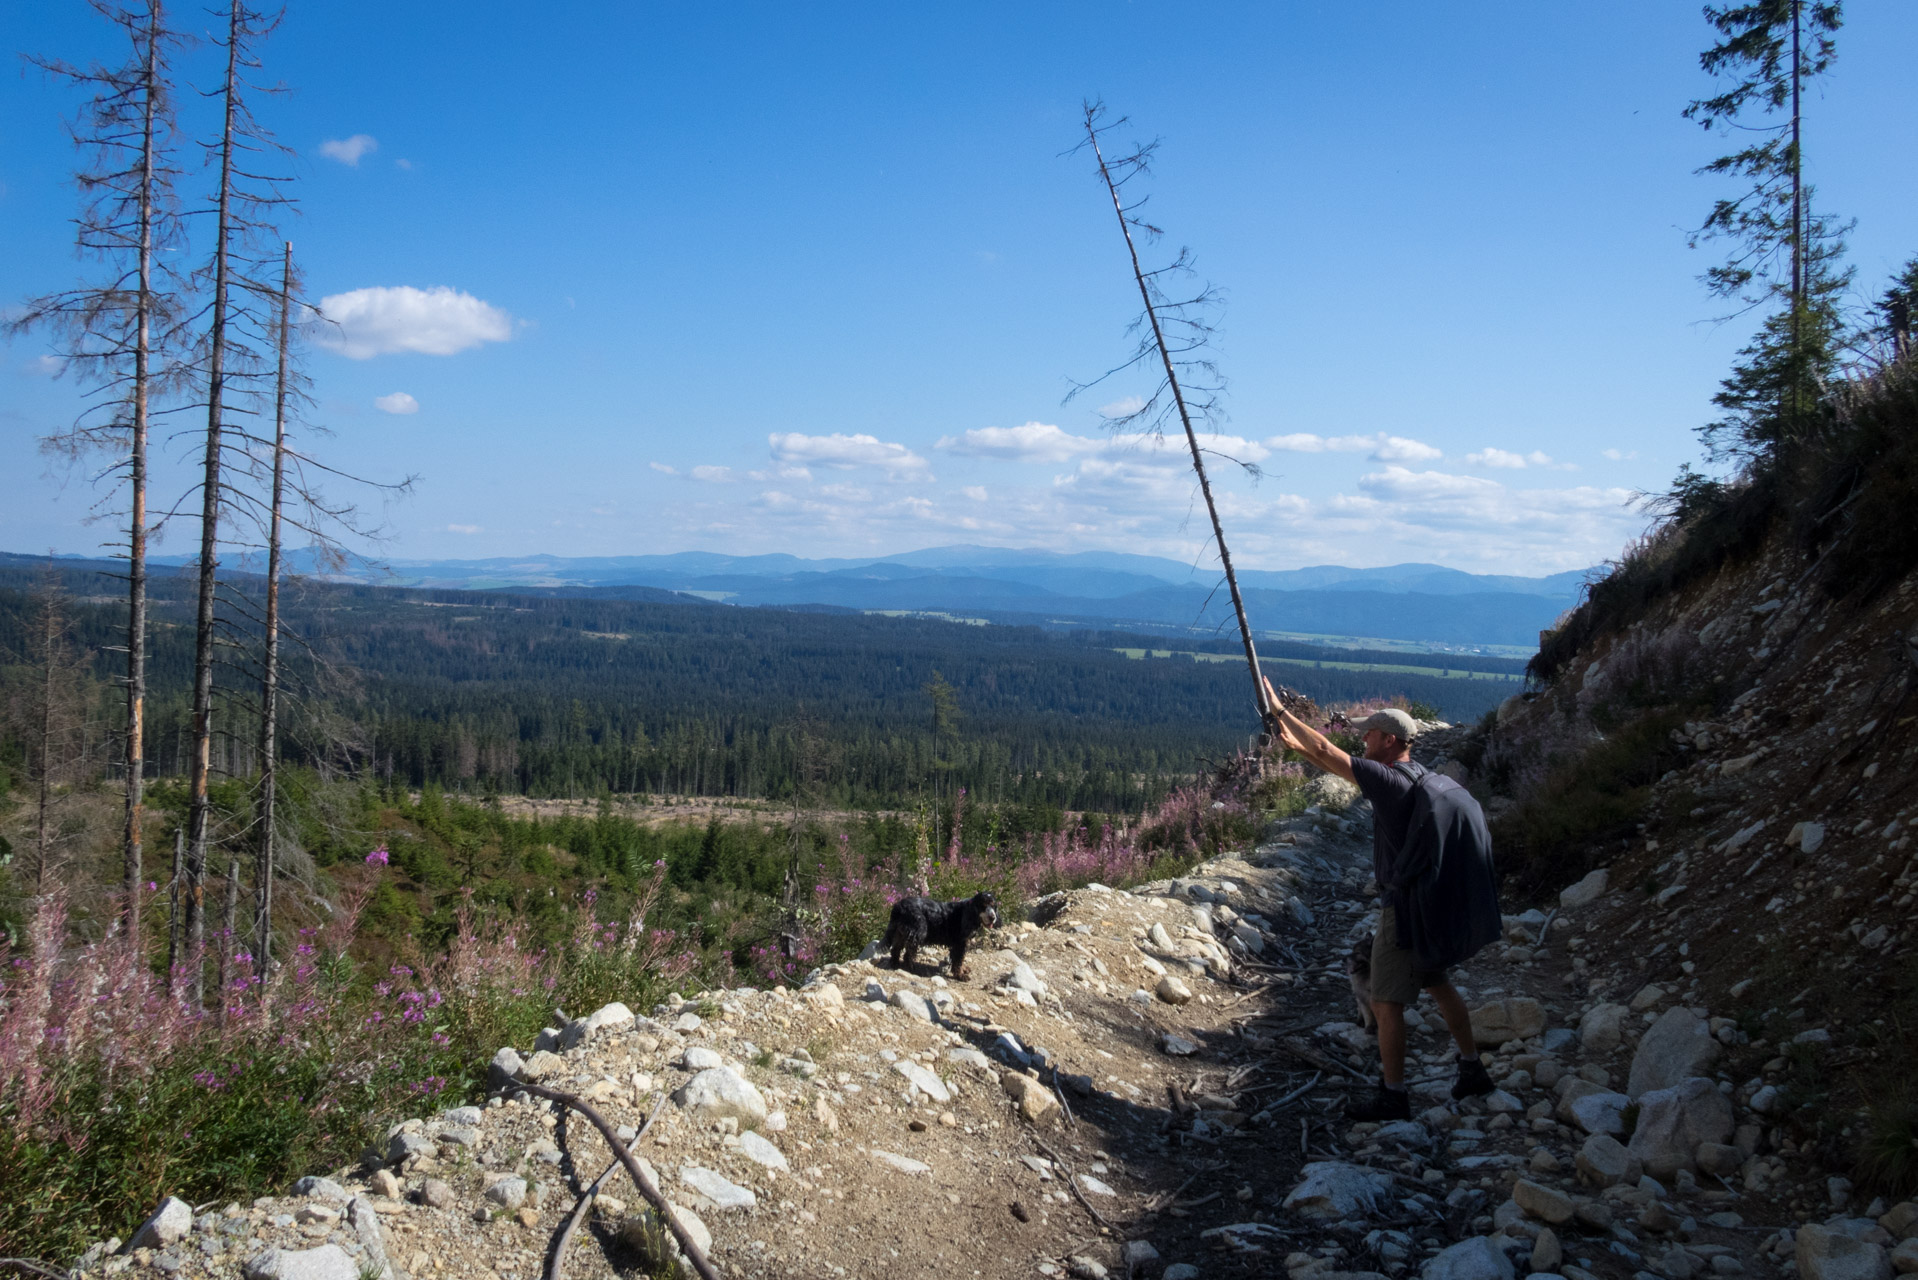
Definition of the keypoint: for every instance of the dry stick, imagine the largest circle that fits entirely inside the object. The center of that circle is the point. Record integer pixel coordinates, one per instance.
(646, 1188)
(1185, 420)
(558, 1262)
(1073, 1182)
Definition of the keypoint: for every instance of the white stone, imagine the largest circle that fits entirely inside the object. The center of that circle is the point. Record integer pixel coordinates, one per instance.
(719, 1092)
(170, 1222)
(1022, 978)
(1172, 991)
(1586, 891)
(1479, 1258)
(923, 1080)
(1673, 1122)
(1825, 1254)
(328, 1262)
(717, 1190)
(610, 1017)
(1334, 1189)
(904, 1164)
(699, 1058)
(509, 1192)
(1602, 1028)
(320, 1189)
(1600, 1112)
(760, 1151)
(1678, 1046)
(1094, 1186)
(913, 1005)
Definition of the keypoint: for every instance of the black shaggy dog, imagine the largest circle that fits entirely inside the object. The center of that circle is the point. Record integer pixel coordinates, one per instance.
(917, 922)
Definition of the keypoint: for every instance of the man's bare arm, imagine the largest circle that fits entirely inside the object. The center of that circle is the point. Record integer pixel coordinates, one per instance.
(1307, 741)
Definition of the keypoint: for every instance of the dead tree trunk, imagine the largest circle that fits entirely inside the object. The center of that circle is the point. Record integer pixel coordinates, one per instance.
(1179, 401)
(199, 809)
(270, 658)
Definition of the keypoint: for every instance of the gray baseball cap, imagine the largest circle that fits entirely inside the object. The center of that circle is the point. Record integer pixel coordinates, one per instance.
(1392, 721)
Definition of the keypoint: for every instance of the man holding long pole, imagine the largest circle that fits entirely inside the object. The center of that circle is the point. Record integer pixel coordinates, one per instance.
(1387, 776)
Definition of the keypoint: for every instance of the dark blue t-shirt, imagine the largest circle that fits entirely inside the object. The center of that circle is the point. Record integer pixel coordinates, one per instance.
(1390, 789)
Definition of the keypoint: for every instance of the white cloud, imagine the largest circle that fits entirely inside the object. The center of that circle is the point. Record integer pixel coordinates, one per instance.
(1121, 407)
(711, 474)
(1489, 457)
(349, 150)
(1379, 447)
(1403, 449)
(663, 468)
(398, 402)
(465, 528)
(403, 164)
(440, 321)
(1618, 455)
(844, 452)
(1034, 442)
(46, 366)
(977, 492)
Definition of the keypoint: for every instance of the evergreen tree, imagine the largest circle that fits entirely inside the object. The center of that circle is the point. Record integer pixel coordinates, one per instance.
(1784, 256)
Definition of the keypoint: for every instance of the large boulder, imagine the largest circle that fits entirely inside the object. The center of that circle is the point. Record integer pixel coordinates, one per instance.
(1673, 1122)
(719, 1092)
(1545, 1203)
(1517, 1018)
(1824, 1254)
(1479, 1258)
(1678, 1047)
(1335, 1190)
(1602, 1029)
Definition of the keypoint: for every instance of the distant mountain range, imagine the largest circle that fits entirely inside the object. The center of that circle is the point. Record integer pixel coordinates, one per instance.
(1414, 605)
(1411, 605)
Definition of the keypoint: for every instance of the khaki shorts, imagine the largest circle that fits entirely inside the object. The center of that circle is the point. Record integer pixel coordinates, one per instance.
(1396, 976)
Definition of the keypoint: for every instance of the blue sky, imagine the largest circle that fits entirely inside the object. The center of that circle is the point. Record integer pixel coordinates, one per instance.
(648, 278)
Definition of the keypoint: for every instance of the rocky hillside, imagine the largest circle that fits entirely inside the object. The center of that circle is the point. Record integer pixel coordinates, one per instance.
(1142, 1083)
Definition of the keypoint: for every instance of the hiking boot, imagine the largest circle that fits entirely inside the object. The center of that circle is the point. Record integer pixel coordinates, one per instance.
(1386, 1104)
(1474, 1081)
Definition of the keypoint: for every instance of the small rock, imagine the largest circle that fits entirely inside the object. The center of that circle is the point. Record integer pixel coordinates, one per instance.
(467, 1117)
(1180, 1271)
(1517, 1018)
(718, 1093)
(1543, 1202)
(762, 1152)
(1084, 1268)
(328, 1262)
(1137, 1253)
(1586, 891)
(1035, 1102)
(385, 1184)
(1479, 1258)
(1904, 1258)
(913, 1005)
(508, 1193)
(904, 1164)
(435, 1194)
(541, 1065)
(1547, 1253)
(171, 1222)
(1172, 991)
(1602, 1029)
(646, 1234)
(320, 1189)
(699, 1058)
(717, 1190)
(1599, 1112)
(1335, 1190)
(1901, 1219)
(1604, 1161)
(1719, 1158)
(1177, 1046)
(504, 1069)
(607, 1018)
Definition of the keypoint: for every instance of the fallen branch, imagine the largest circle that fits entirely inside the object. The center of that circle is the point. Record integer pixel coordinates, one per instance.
(653, 1195)
(1073, 1182)
(1164, 1198)
(1307, 1054)
(557, 1263)
(28, 1267)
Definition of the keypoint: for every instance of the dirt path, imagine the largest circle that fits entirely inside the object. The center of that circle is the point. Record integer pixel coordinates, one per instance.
(1144, 1082)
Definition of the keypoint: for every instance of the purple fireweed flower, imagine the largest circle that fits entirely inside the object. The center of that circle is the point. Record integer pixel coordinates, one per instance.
(377, 858)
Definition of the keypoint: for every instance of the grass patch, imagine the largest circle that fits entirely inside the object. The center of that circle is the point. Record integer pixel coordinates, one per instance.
(1586, 802)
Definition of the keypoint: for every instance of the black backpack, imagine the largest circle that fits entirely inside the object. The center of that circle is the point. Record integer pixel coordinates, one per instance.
(1443, 875)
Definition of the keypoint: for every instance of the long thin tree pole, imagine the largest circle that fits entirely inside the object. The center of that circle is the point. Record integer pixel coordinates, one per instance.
(270, 667)
(1185, 420)
(137, 523)
(198, 809)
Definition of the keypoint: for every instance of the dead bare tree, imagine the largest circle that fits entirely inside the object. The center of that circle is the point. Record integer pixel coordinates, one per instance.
(48, 716)
(270, 652)
(243, 201)
(1175, 334)
(115, 333)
